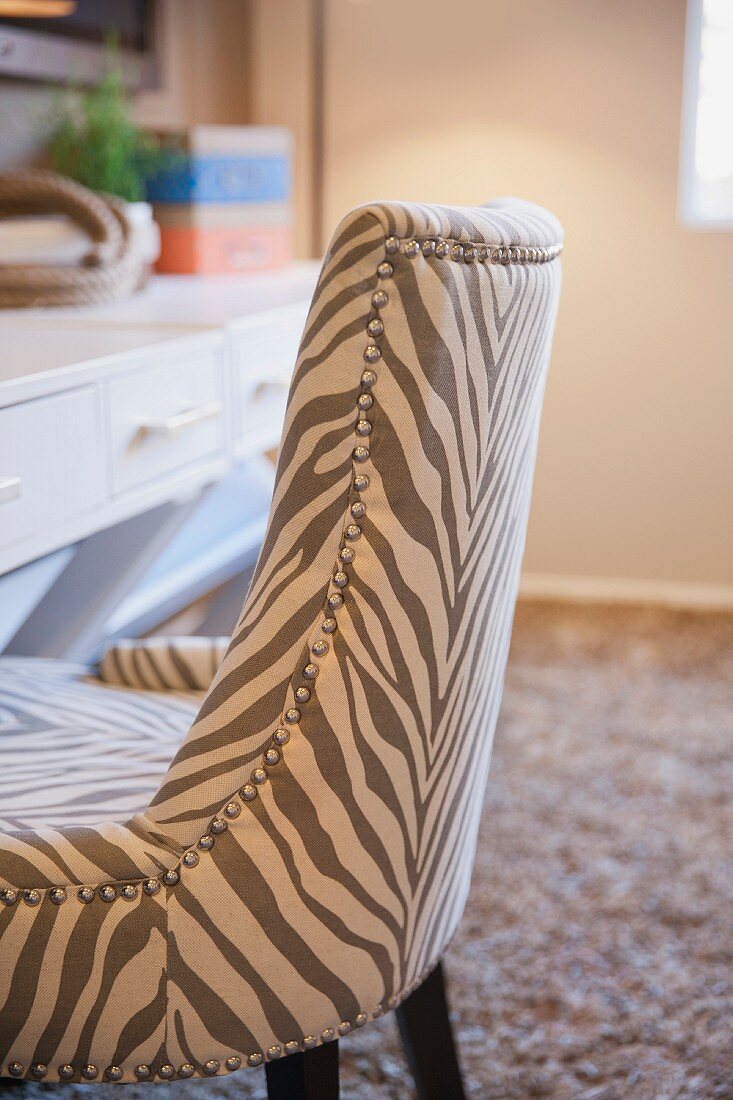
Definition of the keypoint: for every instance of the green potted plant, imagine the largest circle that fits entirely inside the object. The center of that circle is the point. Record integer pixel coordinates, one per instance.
(94, 141)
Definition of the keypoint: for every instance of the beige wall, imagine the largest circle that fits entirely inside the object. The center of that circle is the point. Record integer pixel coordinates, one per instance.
(205, 71)
(576, 104)
(281, 59)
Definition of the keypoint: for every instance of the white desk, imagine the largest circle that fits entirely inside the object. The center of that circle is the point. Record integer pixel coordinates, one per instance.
(108, 412)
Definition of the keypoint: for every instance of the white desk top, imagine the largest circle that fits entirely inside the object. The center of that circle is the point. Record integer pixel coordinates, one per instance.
(184, 301)
(36, 361)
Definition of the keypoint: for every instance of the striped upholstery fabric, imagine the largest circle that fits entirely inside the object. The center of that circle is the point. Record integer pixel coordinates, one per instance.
(307, 856)
(162, 664)
(96, 753)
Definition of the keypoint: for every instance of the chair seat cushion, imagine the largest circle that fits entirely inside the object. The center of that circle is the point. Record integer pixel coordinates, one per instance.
(77, 752)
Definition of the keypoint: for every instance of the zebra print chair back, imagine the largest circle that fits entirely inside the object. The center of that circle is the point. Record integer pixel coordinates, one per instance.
(308, 855)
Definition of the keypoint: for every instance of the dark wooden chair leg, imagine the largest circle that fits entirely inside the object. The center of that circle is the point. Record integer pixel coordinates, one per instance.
(313, 1075)
(427, 1037)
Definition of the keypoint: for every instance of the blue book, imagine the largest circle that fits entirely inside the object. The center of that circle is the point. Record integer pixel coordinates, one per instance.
(221, 178)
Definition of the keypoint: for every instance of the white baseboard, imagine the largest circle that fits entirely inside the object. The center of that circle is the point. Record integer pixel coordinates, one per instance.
(550, 586)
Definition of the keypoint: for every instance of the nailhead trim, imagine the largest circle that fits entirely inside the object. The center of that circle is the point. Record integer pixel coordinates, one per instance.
(468, 252)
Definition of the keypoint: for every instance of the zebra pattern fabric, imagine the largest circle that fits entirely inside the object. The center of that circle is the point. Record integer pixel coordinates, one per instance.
(96, 753)
(162, 664)
(308, 854)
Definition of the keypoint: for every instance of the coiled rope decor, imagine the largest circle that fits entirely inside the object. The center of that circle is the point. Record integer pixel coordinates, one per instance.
(113, 268)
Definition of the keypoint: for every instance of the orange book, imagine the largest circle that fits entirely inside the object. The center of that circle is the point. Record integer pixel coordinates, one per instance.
(218, 250)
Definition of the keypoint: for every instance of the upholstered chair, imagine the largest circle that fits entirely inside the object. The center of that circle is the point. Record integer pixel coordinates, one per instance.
(301, 866)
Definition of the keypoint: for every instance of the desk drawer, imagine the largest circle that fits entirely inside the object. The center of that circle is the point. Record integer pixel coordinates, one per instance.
(263, 366)
(51, 467)
(164, 420)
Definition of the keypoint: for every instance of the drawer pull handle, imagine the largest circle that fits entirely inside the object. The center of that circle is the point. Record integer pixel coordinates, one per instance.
(172, 425)
(9, 488)
(272, 386)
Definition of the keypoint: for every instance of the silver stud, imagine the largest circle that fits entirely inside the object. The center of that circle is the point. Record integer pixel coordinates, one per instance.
(360, 453)
(456, 252)
(372, 353)
(166, 1071)
(190, 859)
(206, 842)
(378, 1011)
(85, 894)
(380, 298)
(392, 244)
(273, 1053)
(108, 892)
(428, 248)
(375, 327)
(335, 601)
(66, 1072)
(319, 648)
(358, 509)
(8, 897)
(360, 1019)
(442, 248)
(90, 1072)
(328, 1035)
(368, 378)
(302, 694)
(272, 757)
(309, 1042)
(310, 671)
(292, 715)
(363, 427)
(142, 1072)
(469, 253)
(232, 809)
(361, 482)
(233, 1063)
(329, 626)
(340, 579)
(172, 877)
(365, 401)
(347, 555)
(16, 1069)
(482, 254)
(353, 532)
(496, 254)
(211, 1067)
(259, 776)
(31, 897)
(506, 256)
(248, 793)
(186, 1070)
(385, 270)
(218, 825)
(113, 1073)
(344, 1028)
(128, 891)
(412, 248)
(39, 1070)
(57, 895)
(254, 1060)
(281, 737)
(292, 1047)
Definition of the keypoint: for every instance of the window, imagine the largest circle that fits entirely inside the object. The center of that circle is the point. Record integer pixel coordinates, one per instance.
(706, 169)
